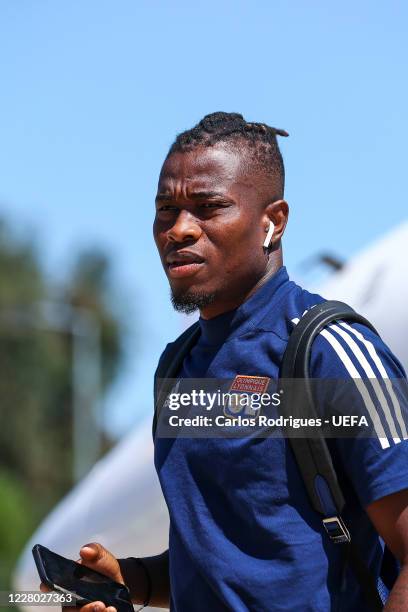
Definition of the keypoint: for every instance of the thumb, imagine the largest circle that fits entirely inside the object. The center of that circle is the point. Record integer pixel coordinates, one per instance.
(97, 557)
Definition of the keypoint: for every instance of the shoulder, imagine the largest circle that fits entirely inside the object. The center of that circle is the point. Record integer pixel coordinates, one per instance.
(175, 346)
(369, 381)
(363, 377)
(366, 379)
(341, 347)
(347, 349)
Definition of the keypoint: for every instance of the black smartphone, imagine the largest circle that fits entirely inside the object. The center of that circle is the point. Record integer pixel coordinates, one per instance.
(83, 583)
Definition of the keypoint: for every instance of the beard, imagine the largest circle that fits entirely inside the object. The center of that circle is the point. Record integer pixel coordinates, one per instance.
(190, 301)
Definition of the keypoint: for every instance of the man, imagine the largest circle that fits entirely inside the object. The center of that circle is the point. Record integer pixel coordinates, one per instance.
(243, 535)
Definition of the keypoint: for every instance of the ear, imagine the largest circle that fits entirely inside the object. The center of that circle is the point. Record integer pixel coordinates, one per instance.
(278, 213)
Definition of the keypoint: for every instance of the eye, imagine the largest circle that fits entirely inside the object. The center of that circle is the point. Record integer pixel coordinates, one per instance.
(212, 205)
(166, 208)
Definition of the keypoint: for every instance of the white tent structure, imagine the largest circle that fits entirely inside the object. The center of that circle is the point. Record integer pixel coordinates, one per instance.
(119, 503)
(375, 283)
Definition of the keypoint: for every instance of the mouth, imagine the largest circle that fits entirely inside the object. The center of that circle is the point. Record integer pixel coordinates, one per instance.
(183, 263)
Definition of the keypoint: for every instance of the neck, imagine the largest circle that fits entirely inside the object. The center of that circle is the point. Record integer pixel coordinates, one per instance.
(219, 307)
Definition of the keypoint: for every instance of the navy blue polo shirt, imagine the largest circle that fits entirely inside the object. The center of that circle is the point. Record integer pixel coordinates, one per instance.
(243, 536)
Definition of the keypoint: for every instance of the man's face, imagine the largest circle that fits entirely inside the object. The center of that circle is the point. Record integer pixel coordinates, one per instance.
(209, 227)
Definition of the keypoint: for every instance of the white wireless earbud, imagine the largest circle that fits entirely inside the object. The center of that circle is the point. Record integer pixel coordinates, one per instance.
(269, 235)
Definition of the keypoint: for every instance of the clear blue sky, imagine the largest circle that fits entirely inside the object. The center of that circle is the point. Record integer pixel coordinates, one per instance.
(93, 93)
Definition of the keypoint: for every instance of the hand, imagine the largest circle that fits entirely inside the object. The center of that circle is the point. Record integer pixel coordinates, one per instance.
(98, 558)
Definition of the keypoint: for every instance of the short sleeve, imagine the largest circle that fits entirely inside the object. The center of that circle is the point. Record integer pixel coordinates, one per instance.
(371, 382)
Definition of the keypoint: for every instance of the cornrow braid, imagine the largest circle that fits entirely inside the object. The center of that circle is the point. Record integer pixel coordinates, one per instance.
(223, 127)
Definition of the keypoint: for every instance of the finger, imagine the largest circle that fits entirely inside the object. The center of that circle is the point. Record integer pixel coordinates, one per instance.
(94, 606)
(110, 609)
(44, 588)
(91, 554)
(96, 557)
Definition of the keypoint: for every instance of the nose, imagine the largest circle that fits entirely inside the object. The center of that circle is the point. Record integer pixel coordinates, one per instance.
(185, 228)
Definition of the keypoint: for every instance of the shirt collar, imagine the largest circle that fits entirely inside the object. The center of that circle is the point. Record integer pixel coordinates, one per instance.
(240, 320)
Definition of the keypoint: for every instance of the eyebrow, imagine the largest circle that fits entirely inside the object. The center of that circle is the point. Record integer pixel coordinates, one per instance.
(196, 195)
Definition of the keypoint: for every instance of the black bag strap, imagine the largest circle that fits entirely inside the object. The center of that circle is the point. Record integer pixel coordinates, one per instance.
(312, 455)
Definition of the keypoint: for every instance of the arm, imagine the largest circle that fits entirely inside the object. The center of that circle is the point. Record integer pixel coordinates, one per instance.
(389, 516)
(377, 466)
(135, 579)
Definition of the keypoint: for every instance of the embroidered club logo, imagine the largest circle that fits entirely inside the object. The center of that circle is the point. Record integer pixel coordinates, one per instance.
(242, 393)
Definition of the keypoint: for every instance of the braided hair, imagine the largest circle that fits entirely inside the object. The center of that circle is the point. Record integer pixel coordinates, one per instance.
(225, 127)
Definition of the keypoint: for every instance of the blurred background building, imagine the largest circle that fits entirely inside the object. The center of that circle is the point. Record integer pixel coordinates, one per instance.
(92, 95)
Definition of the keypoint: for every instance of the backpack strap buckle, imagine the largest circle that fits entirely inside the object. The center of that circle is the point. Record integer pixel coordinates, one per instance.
(336, 529)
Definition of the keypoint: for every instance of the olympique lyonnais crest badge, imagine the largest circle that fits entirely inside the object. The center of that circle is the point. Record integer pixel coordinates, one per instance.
(241, 391)
(250, 384)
